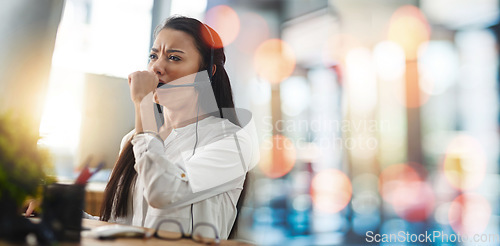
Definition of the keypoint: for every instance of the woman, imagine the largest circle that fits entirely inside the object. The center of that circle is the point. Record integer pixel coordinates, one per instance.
(193, 169)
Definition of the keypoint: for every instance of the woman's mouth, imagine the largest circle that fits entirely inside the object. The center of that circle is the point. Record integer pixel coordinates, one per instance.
(160, 83)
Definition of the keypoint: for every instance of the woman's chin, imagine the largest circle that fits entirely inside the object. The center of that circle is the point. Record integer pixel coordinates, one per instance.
(182, 110)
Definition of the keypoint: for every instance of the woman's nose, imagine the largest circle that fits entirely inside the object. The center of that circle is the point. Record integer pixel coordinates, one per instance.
(158, 68)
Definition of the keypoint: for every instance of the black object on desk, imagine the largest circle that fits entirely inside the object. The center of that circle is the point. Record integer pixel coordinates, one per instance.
(62, 210)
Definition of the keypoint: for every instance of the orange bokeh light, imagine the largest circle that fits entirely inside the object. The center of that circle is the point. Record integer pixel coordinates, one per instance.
(225, 21)
(409, 28)
(331, 191)
(469, 214)
(403, 187)
(410, 98)
(274, 60)
(256, 30)
(465, 163)
(415, 97)
(278, 156)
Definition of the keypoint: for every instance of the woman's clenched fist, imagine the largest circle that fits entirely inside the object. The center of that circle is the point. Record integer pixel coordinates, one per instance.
(141, 83)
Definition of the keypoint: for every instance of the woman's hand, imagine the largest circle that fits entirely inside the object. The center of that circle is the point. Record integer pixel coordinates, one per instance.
(141, 83)
(31, 205)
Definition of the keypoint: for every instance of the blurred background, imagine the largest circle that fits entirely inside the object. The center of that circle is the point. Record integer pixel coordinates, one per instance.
(373, 116)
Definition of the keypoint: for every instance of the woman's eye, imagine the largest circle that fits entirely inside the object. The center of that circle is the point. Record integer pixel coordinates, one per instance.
(174, 58)
(152, 56)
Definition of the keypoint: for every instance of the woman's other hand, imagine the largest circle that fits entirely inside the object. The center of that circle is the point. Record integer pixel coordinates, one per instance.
(31, 205)
(141, 83)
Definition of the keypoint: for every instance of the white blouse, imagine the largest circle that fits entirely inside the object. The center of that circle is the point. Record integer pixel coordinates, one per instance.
(170, 178)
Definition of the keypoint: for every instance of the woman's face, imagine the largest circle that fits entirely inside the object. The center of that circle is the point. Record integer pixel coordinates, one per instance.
(173, 55)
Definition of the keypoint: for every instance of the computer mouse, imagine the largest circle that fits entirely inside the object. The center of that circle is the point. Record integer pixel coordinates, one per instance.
(116, 231)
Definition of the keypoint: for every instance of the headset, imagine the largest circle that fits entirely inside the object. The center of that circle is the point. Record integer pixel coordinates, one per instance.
(210, 76)
(210, 73)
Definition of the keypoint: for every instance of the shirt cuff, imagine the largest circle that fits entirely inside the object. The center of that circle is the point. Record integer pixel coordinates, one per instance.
(145, 142)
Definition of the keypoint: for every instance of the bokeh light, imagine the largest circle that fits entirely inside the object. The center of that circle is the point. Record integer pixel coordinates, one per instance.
(469, 214)
(414, 97)
(362, 87)
(417, 202)
(365, 199)
(408, 27)
(393, 70)
(225, 21)
(389, 60)
(392, 176)
(403, 186)
(365, 182)
(438, 66)
(254, 31)
(295, 95)
(337, 47)
(274, 60)
(278, 156)
(331, 191)
(465, 163)
(59, 131)
(365, 202)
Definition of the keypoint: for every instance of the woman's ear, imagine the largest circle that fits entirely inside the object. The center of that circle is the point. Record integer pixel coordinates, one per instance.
(213, 69)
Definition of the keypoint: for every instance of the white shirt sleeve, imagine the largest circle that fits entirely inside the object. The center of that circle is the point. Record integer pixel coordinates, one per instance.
(212, 165)
(163, 181)
(219, 162)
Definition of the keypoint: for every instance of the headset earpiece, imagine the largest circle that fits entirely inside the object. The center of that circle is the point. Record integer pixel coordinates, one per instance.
(211, 65)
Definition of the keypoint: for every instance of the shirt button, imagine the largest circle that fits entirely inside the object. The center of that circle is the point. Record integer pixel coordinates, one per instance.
(183, 175)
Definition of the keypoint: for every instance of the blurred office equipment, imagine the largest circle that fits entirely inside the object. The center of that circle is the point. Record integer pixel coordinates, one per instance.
(26, 46)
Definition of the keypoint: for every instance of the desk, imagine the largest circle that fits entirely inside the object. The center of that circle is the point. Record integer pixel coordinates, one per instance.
(137, 241)
(94, 195)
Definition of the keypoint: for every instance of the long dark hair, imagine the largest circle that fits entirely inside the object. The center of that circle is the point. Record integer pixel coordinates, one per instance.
(120, 183)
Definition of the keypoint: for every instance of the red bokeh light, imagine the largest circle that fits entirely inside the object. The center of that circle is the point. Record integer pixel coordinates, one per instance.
(469, 214)
(225, 21)
(403, 186)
